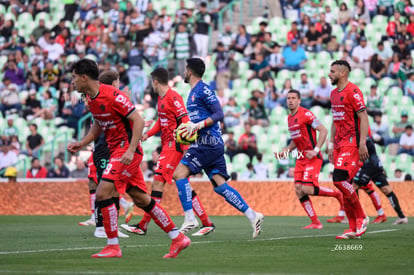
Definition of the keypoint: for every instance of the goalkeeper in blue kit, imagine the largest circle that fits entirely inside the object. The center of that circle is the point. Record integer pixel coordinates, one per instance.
(207, 151)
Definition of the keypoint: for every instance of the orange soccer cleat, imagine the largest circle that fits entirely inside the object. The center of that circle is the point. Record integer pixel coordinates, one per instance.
(109, 251)
(380, 219)
(178, 244)
(337, 219)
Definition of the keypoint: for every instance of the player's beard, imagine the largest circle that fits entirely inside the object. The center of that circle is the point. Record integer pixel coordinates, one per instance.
(334, 81)
(186, 78)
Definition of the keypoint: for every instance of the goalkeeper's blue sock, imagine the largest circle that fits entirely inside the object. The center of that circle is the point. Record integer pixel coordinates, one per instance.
(184, 193)
(232, 196)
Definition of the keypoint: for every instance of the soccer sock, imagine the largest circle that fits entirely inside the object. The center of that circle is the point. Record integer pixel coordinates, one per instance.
(110, 219)
(395, 204)
(376, 201)
(325, 192)
(184, 193)
(232, 197)
(123, 202)
(350, 195)
(199, 210)
(98, 216)
(307, 205)
(144, 222)
(92, 198)
(116, 201)
(161, 218)
(350, 215)
(346, 189)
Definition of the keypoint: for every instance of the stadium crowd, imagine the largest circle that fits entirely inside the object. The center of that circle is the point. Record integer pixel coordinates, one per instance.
(37, 50)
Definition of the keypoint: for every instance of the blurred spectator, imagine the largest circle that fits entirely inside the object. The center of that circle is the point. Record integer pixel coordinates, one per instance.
(152, 164)
(262, 172)
(260, 67)
(44, 39)
(203, 22)
(281, 97)
(329, 15)
(222, 98)
(34, 77)
(242, 40)
(344, 16)
(361, 12)
(7, 157)
(378, 69)
(38, 32)
(294, 57)
(276, 59)
(58, 28)
(379, 130)
(313, 39)
(409, 86)
(14, 74)
(94, 13)
(232, 113)
(48, 109)
(406, 68)
(361, 56)
(248, 174)
(34, 141)
(386, 7)
(36, 171)
(291, 172)
(271, 95)
(399, 127)
(293, 33)
(248, 142)
(408, 177)
(322, 94)
(307, 90)
(385, 53)
(10, 129)
(233, 176)
(11, 174)
(32, 105)
(394, 66)
(59, 170)
(81, 171)
(262, 30)
(15, 144)
(213, 7)
(51, 75)
(324, 28)
(72, 111)
(71, 7)
(180, 11)
(374, 102)
(9, 96)
(152, 45)
(222, 64)
(304, 27)
(257, 113)
(351, 37)
(407, 141)
(398, 175)
(54, 50)
(231, 145)
(401, 49)
(227, 37)
(137, 77)
(182, 48)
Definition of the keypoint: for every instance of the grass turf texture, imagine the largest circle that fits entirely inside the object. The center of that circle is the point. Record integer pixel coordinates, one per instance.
(57, 245)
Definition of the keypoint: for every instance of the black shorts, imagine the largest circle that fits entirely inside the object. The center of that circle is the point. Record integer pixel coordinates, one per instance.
(371, 170)
(101, 157)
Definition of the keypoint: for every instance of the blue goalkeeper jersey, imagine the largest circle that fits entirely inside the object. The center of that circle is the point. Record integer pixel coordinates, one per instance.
(199, 103)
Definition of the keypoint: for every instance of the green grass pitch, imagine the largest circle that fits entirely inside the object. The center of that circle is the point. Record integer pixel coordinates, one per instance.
(57, 245)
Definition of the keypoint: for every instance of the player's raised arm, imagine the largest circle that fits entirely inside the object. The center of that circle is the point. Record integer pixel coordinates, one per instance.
(153, 131)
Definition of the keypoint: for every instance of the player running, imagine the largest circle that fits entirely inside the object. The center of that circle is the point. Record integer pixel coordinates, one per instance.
(373, 170)
(171, 113)
(207, 152)
(303, 125)
(347, 146)
(97, 164)
(116, 116)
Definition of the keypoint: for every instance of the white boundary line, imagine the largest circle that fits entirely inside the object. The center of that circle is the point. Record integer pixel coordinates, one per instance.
(159, 245)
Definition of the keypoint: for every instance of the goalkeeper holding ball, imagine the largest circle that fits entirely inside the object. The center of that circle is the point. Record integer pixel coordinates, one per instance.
(207, 151)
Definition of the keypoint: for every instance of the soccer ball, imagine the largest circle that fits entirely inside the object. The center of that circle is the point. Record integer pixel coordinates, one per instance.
(184, 140)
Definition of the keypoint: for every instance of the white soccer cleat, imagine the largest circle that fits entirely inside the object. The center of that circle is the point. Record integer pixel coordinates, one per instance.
(188, 226)
(205, 230)
(257, 224)
(100, 233)
(88, 222)
(362, 225)
(348, 234)
(401, 221)
(134, 229)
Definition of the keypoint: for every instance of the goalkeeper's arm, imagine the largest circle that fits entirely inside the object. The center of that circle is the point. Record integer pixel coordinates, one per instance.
(217, 115)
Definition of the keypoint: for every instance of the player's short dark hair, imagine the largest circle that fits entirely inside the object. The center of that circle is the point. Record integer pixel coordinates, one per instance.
(161, 75)
(87, 67)
(197, 66)
(293, 91)
(342, 63)
(108, 77)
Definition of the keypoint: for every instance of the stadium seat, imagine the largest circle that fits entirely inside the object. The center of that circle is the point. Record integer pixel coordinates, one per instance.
(2, 9)
(255, 84)
(318, 111)
(403, 162)
(240, 161)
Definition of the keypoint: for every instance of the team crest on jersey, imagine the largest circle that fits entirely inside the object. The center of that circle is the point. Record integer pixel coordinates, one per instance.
(342, 98)
(296, 120)
(192, 98)
(162, 106)
(102, 107)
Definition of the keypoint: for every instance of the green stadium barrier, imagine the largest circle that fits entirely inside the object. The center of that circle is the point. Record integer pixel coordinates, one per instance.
(230, 8)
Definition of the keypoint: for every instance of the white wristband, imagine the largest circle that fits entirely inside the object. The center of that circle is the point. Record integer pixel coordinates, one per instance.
(330, 145)
(317, 149)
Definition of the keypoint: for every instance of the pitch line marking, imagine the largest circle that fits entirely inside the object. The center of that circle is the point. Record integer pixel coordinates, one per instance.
(159, 245)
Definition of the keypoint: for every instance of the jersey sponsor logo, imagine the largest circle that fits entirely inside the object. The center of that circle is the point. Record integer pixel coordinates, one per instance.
(177, 104)
(126, 173)
(346, 154)
(295, 134)
(124, 100)
(338, 115)
(106, 124)
(164, 122)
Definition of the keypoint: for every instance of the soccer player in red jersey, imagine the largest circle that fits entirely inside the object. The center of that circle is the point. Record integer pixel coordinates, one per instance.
(116, 116)
(303, 125)
(171, 113)
(347, 148)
